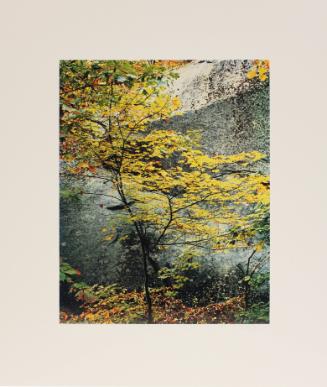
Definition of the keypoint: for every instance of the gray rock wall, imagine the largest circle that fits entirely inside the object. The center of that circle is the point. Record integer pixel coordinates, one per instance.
(231, 111)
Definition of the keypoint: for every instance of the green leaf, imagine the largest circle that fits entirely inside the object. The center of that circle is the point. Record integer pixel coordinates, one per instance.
(81, 285)
(63, 277)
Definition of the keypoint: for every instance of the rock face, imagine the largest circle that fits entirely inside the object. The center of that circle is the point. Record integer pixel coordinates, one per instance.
(217, 98)
(203, 82)
(232, 114)
(81, 238)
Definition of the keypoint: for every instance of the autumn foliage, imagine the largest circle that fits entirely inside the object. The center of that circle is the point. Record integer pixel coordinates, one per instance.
(166, 185)
(130, 307)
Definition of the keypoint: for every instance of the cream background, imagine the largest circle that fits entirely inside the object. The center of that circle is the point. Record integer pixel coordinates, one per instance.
(34, 348)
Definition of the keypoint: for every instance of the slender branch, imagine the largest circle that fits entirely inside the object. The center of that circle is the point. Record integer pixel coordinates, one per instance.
(100, 194)
(184, 243)
(168, 223)
(257, 266)
(248, 262)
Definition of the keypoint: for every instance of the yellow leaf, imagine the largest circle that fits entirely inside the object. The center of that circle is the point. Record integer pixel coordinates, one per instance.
(251, 74)
(83, 164)
(68, 158)
(262, 70)
(109, 237)
(262, 77)
(90, 317)
(176, 102)
(259, 246)
(106, 314)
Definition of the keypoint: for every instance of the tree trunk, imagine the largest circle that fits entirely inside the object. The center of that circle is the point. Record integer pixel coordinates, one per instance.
(247, 295)
(147, 291)
(145, 254)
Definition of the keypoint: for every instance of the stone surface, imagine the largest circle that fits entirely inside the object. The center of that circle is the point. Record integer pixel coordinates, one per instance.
(217, 98)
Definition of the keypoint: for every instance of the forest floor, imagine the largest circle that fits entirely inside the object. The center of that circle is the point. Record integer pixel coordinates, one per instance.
(130, 307)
